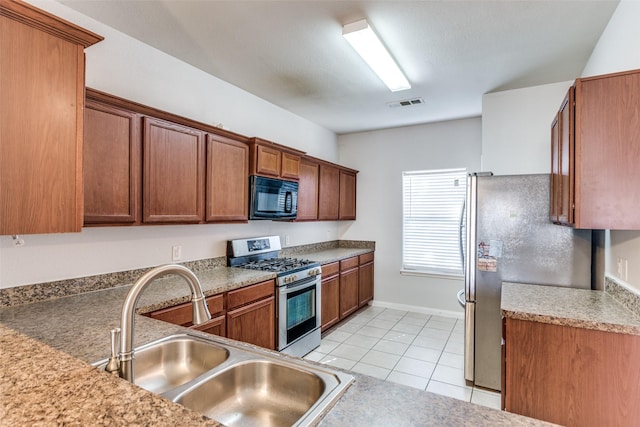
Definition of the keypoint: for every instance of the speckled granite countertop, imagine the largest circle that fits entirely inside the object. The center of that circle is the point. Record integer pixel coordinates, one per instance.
(332, 255)
(47, 387)
(43, 386)
(579, 308)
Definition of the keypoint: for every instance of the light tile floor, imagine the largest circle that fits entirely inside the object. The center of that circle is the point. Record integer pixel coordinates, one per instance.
(414, 349)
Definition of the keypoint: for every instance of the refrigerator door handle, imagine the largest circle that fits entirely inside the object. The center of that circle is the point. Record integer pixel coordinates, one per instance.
(461, 300)
(470, 228)
(462, 235)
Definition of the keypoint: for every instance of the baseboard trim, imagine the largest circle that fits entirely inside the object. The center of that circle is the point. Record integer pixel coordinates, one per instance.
(417, 309)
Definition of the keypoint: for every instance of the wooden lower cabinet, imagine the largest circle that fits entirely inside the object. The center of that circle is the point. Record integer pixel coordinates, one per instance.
(254, 323)
(365, 279)
(215, 326)
(330, 295)
(182, 315)
(571, 376)
(348, 286)
(250, 315)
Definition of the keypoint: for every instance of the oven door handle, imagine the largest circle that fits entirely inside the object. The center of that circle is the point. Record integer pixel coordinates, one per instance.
(300, 284)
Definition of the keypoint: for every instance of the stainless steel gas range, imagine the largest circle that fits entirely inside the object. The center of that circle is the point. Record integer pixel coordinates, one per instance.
(297, 287)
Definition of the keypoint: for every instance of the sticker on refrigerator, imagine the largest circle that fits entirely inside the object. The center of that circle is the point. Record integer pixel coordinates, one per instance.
(487, 255)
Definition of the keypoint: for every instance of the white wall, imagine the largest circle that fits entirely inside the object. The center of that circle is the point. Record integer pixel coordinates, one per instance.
(617, 50)
(381, 157)
(516, 127)
(130, 69)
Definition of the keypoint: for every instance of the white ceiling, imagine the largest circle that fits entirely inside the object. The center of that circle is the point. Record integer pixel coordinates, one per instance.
(292, 53)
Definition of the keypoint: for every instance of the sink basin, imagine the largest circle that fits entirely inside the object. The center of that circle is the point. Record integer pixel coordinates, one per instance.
(236, 385)
(256, 393)
(175, 360)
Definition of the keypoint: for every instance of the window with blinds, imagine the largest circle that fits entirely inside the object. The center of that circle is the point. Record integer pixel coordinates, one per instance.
(431, 221)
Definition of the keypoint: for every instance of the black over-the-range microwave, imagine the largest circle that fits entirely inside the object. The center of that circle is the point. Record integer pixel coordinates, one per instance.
(272, 198)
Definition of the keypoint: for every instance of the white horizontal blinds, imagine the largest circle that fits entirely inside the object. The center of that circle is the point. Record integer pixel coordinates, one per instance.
(432, 206)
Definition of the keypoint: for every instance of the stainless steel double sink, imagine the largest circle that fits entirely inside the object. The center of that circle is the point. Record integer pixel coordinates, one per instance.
(236, 385)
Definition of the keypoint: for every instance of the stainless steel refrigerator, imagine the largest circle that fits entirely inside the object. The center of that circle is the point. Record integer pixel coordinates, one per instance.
(507, 237)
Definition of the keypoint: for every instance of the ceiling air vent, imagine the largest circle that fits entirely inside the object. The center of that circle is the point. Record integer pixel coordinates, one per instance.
(405, 103)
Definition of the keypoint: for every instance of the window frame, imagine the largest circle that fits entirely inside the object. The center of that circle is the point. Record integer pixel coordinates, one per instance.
(409, 265)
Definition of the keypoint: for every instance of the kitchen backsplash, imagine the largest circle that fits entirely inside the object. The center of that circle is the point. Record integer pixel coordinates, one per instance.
(625, 296)
(62, 288)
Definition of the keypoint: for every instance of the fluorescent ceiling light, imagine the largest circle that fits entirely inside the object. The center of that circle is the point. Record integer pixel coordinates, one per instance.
(361, 36)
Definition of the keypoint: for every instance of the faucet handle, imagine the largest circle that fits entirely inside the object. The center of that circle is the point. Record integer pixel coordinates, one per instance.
(113, 365)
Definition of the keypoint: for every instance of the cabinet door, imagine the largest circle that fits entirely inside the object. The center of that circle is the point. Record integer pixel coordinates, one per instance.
(268, 161)
(555, 190)
(329, 193)
(571, 376)
(173, 173)
(215, 326)
(365, 284)
(41, 119)
(308, 191)
(330, 304)
(348, 292)
(347, 195)
(227, 179)
(290, 166)
(254, 323)
(112, 165)
(607, 152)
(566, 159)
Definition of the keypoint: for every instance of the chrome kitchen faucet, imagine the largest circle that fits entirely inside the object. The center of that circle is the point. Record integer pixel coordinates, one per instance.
(201, 314)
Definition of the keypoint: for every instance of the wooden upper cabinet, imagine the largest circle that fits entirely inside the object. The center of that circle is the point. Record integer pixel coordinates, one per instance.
(554, 191)
(227, 179)
(566, 148)
(174, 168)
(347, 209)
(41, 120)
(562, 162)
(607, 149)
(308, 190)
(290, 168)
(112, 165)
(274, 160)
(594, 151)
(268, 161)
(329, 193)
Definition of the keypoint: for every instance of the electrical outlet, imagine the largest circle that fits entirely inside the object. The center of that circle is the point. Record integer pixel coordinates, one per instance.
(176, 253)
(287, 240)
(622, 268)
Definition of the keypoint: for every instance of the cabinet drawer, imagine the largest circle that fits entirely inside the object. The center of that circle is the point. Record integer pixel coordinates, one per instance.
(349, 263)
(178, 315)
(365, 258)
(215, 304)
(249, 294)
(330, 269)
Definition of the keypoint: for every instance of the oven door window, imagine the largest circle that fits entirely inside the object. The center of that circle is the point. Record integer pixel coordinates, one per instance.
(301, 312)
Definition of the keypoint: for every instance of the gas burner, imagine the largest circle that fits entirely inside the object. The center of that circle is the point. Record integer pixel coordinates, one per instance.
(277, 264)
